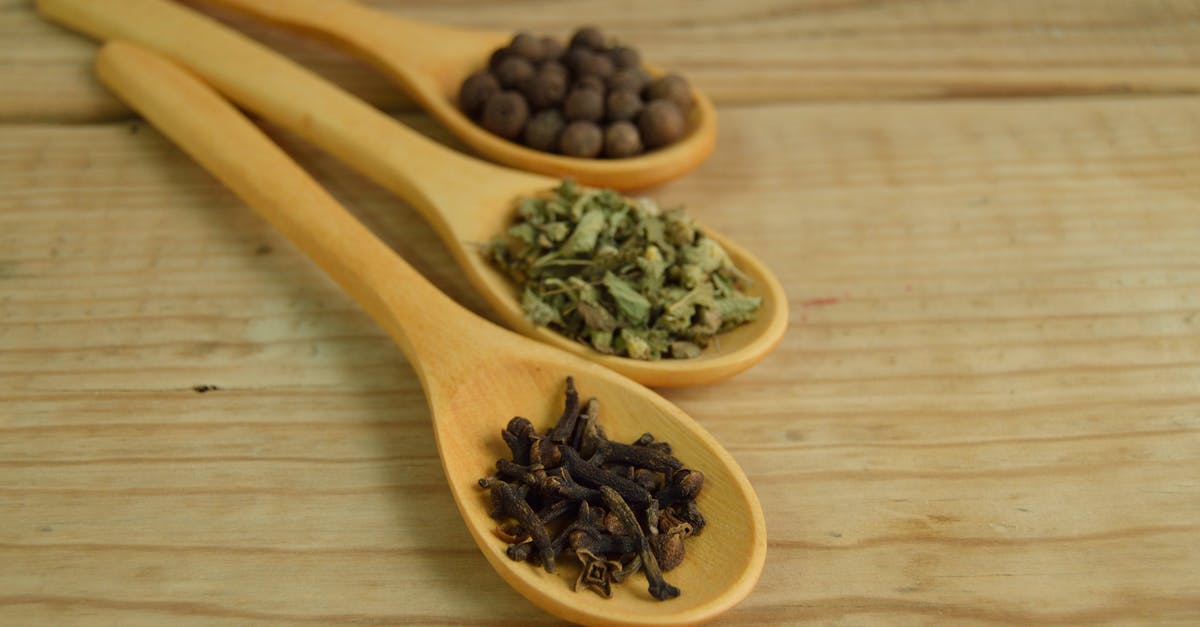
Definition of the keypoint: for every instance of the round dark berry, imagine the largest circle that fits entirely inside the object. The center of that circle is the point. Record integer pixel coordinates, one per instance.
(625, 58)
(551, 66)
(475, 91)
(588, 37)
(528, 46)
(661, 123)
(552, 48)
(543, 130)
(581, 139)
(514, 71)
(596, 65)
(498, 55)
(622, 139)
(671, 87)
(623, 105)
(584, 104)
(545, 90)
(574, 58)
(505, 114)
(632, 79)
(589, 82)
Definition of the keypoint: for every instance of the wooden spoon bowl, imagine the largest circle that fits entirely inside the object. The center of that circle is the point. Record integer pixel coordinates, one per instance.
(430, 62)
(476, 375)
(467, 201)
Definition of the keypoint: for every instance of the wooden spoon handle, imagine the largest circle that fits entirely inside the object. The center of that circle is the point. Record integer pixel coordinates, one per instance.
(214, 133)
(430, 52)
(437, 181)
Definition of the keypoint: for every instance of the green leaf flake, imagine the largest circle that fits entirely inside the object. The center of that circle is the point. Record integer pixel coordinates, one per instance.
(583, 238)
(630, 304)
(539, 311)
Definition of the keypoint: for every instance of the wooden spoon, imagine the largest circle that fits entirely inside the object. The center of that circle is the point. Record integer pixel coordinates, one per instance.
(467, 201)
(475, 374)
(430, 61)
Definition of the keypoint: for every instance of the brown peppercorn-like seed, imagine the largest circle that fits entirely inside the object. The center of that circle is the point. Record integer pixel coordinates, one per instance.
(514, 71)
(588, 37)
(596, 65)
(498, 55)
(632, 79)
(475, 91)
(623, 105)
(528, 46)
(625, 57)
(574, 58)
(545, 90)
(589, 82)
(671, 87)
(661, 123)
(621, 139)
(555, 68)
(581, 139)
(584, 104)
(505, 114)
(552, 48)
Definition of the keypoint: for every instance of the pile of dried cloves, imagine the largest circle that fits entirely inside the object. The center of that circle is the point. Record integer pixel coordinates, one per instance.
(617, 508)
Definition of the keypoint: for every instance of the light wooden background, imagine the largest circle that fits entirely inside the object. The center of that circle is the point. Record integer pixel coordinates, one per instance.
(987, 408)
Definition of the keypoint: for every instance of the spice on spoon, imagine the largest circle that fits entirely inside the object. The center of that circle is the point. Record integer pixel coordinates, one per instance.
(591, 83)
(620, 275)
(617, 508)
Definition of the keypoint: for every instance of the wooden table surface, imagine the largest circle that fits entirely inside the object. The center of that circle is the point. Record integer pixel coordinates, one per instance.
(986, 409)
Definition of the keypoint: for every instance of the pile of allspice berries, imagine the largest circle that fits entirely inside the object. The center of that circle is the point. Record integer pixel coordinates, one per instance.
(586, 99)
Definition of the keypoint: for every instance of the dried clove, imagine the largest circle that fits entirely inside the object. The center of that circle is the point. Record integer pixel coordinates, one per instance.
(625, 508)
(659, 588)
(519, 509)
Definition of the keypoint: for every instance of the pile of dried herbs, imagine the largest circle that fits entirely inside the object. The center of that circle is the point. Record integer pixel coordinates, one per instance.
(620, 274)
(617, 508)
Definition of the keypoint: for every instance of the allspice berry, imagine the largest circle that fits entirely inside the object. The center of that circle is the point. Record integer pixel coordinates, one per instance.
(588, 37)
(554, 66)
(545, 90)
(552, 48)
(584, 104)
(575, 57)
(596, 65)
(671, 87)
(621, 139)
(585, 96)
(625, 57)
(589, 82)
(543, 130)
(661, 123)
(505, 114)
(581, 139)
(633, 79)
(623, 105)
(514, 71)
(475, 91)
(525, 45)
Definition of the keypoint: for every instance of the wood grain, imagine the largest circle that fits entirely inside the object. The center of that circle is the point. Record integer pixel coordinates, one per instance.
(986, 410)
(751, 52)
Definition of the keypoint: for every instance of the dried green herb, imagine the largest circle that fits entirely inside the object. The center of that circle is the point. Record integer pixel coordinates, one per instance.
(621, 275)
